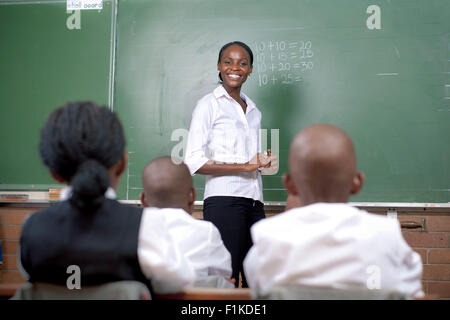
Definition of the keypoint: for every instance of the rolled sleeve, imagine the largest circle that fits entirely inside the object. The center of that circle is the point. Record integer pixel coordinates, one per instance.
(198, 136)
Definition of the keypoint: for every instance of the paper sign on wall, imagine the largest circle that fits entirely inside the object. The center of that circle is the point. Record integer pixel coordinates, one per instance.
(84, 4)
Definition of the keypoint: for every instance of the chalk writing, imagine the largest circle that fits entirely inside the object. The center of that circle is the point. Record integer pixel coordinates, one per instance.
(283, 62)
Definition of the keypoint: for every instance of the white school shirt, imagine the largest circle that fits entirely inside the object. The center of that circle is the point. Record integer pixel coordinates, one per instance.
(332, 245)
(159, 255)
(220, 131)
(199, 241)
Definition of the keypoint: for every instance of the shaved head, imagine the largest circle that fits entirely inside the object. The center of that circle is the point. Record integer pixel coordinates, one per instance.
(322, 164)
(167, 185)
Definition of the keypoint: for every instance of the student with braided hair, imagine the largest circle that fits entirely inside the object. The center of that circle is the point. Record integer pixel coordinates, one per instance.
(83, 145)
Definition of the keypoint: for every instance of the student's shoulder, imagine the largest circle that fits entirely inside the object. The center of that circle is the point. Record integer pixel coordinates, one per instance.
(125, 206)
(206, 230)
(43, 219)
(270, 224)
(380, 228)
(167, 217)
(189, 219)
(353, 215)
(58, 209)
(181, 217)
(206, 225)
(55, 209)
(382, 222)
(122, 209)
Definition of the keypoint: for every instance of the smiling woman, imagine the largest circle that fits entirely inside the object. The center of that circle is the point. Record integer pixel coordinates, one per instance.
(225, 126)
(236, 64)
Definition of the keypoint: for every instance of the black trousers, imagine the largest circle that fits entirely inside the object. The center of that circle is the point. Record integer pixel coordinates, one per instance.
(234, 216)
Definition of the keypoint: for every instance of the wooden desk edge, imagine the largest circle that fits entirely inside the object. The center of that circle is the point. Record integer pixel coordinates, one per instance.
(9, 289)
(208, 294)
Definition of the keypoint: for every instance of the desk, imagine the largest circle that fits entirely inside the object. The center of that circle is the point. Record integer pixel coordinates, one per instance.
(8, 290)
(208, 294)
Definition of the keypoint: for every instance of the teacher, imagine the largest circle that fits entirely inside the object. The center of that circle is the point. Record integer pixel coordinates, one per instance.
(224, 144)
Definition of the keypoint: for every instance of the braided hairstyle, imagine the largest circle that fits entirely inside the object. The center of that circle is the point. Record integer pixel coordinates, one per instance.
(79, 142)
(239, 43)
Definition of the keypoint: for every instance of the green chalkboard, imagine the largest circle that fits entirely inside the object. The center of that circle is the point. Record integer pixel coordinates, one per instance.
(48, 56)
(380, 72)
(378, 69)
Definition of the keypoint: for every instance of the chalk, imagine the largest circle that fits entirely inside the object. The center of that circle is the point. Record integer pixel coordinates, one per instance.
(13, 197)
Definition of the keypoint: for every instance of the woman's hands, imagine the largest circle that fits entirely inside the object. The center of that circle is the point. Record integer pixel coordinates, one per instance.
(266, 161)
(273, 168)
(258, 161)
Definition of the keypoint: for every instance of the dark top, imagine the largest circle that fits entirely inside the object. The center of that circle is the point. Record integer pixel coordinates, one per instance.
(103, 243)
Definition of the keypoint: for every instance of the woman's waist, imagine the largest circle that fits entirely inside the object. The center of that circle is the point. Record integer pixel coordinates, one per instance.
(221, 157)
(219, 186)
(236, 181)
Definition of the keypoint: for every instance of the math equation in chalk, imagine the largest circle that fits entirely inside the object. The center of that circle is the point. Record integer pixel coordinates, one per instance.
(283, 62)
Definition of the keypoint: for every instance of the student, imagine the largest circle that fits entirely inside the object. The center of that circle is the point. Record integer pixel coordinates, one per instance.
(324, 242)
(83, 145)
(226, 124)
(170, 196)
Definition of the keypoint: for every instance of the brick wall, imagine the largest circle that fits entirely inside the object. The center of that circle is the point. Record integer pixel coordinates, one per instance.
(11, 221)
(430, 237)
(432, 242)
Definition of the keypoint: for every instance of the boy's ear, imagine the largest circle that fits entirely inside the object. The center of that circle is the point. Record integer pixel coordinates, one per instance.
(357, 183)
(142, 198)
(57, 177)
(289, 184)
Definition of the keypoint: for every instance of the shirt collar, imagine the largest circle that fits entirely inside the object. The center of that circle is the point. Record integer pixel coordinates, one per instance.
(166, 210)
(221, 92)
(67, 192)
